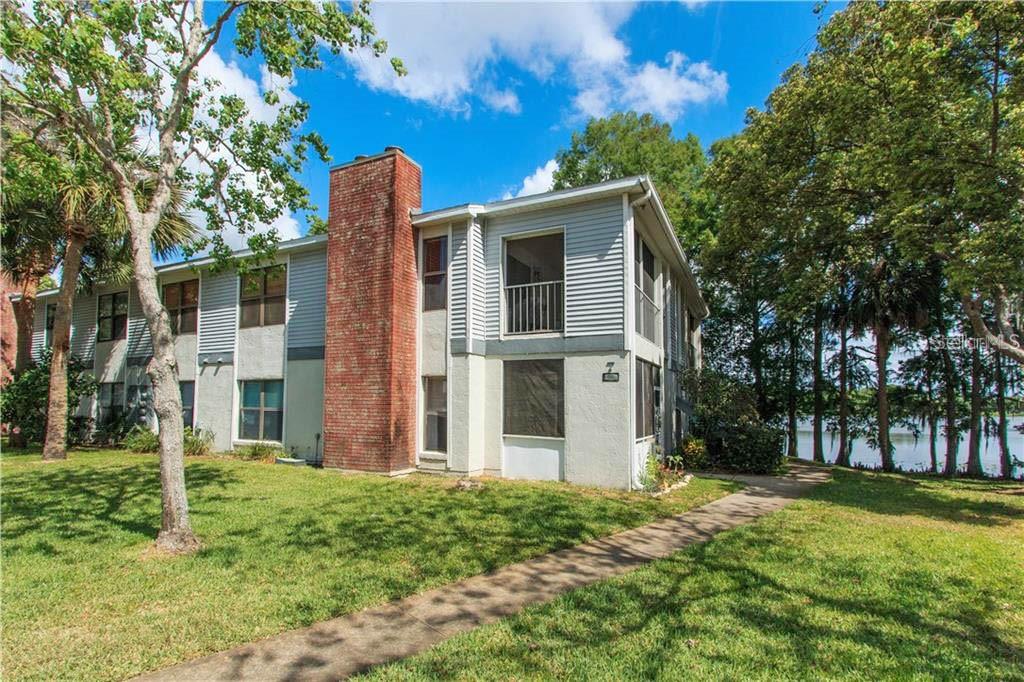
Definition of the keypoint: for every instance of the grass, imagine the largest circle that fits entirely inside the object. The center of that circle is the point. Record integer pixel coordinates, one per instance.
(871, 576)
(83, 598)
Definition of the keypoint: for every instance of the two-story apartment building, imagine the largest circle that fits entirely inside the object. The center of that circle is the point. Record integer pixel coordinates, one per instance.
(541, 337)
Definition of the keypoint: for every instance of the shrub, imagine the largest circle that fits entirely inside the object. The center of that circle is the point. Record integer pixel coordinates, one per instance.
(23, 401)
(748, 448)
(141, 439)
(262, 452)
(113, 431)
(198, 442)
(691, 455)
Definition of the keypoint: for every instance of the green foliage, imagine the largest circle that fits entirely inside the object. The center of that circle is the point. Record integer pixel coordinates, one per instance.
(692, 455)
(198, 442)
(142, 439)
(731, 433)
(23, 401)
(629, 144)
(259, 452)
(749, 448)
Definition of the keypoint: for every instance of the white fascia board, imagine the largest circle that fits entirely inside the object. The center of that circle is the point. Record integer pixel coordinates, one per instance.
(286, 246)
(534, 201)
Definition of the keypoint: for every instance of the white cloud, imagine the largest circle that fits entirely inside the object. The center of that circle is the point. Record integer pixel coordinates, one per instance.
(451, 51)
(539, 181)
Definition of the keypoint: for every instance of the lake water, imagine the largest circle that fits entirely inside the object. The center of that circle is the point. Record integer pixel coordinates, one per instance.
(913, 454)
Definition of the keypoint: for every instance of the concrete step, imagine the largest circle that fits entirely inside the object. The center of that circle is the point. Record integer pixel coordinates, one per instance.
(433, 464)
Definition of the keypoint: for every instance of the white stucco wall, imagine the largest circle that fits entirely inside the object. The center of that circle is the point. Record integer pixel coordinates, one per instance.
(110, 356)
(467, 390)
(215, 402)
(185, 354)
(597, 420)
(433, 345)
(261, 352)
(304, 407)
(492, 409)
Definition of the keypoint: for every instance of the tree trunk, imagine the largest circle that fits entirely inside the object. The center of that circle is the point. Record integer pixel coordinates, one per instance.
(791, 403)
(175, 529)
(818, 388)
(56, 441)
(1005, 461)
(756, 365)
(843, 456)
(974, 439)
(24, 318)
(881, 364)
(931, 415)
(949, 390)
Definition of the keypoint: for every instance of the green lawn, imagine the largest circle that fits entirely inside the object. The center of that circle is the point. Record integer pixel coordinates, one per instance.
(284, 547)
(870, 577)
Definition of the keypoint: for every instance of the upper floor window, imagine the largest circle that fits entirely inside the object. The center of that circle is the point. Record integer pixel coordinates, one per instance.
(435, 273)
(112, 321)
(182, 302)
(262, 297)
(534, 278)
(51, 315)
(646, 310)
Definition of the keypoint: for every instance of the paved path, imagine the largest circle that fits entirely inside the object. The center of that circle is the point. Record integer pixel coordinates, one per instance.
(347, 645)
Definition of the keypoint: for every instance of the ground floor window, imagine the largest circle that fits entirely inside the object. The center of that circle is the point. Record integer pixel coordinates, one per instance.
(138, 403)
(435, 393)
(534, 402)
(648, 397)
(110, 400)
(188, 398)
(262, 410)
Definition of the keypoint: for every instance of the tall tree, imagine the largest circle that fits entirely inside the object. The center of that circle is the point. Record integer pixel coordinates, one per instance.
(103, 71)
(638, 144)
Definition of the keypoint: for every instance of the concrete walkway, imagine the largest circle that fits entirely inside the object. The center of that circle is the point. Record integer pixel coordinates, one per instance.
(350, 644)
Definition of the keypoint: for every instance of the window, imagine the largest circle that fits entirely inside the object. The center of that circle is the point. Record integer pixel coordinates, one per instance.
(534, 398)
(435, 391)
(262, 297)
(51, 315)
(188, 398)
(138, 403)
(643, 279)
(262, 410)
(534, 274)
(111, 401)
(182, 302)
(648, 398)
(435, 268)
(112, 321)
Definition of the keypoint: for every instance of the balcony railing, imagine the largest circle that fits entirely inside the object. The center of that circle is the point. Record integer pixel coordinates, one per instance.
(534, 308)
(646, 316)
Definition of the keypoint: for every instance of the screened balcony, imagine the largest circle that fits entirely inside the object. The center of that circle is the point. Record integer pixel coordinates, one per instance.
(644, 278)
(534, 284)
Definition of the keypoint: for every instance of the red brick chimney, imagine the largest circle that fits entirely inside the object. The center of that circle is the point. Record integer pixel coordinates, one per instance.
(370, 353)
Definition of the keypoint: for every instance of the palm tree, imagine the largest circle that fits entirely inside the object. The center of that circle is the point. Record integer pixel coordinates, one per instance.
(887, 295)
(84, 213)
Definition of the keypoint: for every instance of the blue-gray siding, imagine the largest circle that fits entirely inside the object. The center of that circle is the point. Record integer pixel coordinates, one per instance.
(457, 274)
(83, 327)
(478, 276)
(593, 264)
(38, 328)
(307, 299)
(217, 304)
(140, 344)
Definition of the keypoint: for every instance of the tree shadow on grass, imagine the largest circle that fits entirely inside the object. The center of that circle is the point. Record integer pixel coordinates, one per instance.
(683, 612)
(897, 495)
(92, 503)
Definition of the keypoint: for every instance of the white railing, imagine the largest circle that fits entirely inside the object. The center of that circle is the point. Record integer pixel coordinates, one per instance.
(646, 316)
(533, 308)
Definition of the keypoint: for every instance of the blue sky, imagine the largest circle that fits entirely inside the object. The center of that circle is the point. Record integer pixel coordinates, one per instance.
(494, 90)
